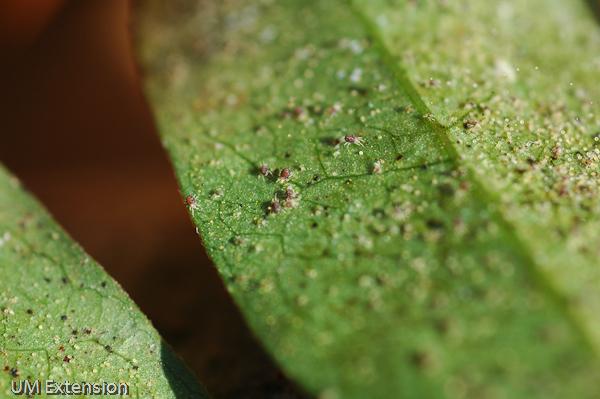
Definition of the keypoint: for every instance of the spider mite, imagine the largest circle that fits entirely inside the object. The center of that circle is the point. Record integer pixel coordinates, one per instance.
(378, 166)
(334, 109)
(284, 174)
(274, 206)
(290, 193)
(291, 198)
(192, 203)
(350, 139)
(264, 170)
(299, 113)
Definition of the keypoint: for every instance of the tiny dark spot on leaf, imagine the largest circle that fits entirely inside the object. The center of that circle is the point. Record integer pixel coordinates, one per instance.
(442, 326)
(237, 240)
(470, 123)
(446, 189)
(330, 141)
(378, 212)
(362, 91)
(316, 110)
(435, 224)
(520, 170)
(420, 359)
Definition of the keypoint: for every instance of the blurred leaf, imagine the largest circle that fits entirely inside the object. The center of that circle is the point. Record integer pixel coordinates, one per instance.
(454, 252)
(63, 318)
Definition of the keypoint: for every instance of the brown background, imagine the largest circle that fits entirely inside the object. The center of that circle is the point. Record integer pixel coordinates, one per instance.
(75, 128)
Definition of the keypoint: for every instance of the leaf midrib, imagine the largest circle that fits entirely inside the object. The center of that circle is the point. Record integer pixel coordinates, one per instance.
(541, 280)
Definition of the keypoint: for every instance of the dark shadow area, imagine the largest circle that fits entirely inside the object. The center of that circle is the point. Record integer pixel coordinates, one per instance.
(76, 130)
(595, 7)
(181, 380)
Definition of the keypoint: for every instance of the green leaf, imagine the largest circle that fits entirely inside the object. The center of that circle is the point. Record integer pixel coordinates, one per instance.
(63, 318)
(455, 252)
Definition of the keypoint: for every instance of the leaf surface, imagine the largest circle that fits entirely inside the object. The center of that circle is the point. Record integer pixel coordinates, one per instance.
(453, 252)
(62, 318)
